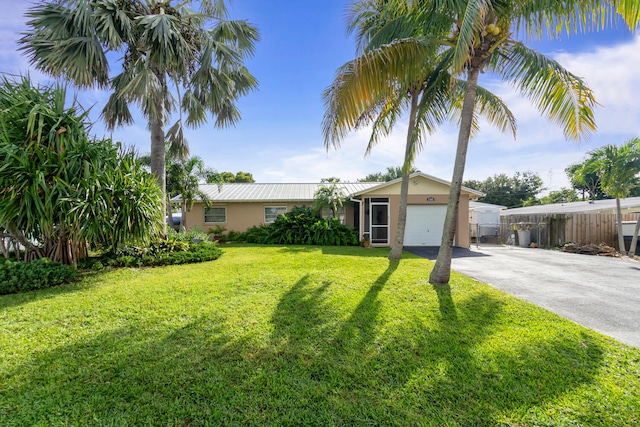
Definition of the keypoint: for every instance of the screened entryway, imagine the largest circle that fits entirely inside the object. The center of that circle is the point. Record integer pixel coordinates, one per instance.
(376, 220)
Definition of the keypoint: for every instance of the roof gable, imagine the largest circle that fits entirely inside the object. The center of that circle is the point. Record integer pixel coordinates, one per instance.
(420, 183)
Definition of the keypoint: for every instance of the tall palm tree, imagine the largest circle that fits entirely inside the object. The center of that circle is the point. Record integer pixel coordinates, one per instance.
(480, 39)
(618, 168)
(390, 77)
(166, 50)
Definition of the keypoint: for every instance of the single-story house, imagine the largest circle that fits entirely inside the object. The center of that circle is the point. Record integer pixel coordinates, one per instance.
(373, 211)
(592, 221)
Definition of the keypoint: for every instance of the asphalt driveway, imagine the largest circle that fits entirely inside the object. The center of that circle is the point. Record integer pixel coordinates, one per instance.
(601, 293)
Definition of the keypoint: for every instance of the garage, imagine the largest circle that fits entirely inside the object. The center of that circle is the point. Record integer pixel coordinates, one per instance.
(424, 225)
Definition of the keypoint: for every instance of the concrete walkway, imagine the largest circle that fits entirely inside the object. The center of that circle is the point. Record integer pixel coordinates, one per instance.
(601, 293)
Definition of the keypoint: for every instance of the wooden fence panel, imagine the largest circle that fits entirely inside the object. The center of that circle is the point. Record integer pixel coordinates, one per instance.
(558, 229)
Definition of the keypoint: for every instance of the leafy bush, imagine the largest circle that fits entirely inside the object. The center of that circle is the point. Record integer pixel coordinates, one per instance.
(171, 253)
(194, 235)
(302, 226)
(17, 276)
(231, 236)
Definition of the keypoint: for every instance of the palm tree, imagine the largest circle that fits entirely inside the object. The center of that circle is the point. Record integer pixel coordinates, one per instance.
(618, 168)
(480, 39)
(165, 50)
(329, 194)
(184, 177)
(390, 77)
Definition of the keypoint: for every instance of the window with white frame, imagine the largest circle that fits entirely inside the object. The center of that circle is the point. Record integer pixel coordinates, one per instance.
(272, 212)
(215, 214)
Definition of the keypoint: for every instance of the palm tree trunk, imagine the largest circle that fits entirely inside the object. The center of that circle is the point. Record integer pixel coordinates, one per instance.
(622, 249)
(634, 240)
(398, 243)
(156, 126)
(442, 269)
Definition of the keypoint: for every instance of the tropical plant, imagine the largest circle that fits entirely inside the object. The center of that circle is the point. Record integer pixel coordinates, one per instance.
(480, 39)
(391, 76)
(302, 226)
(619, 171)
(184, 177)
(165, 50)
(330, 195)
(59, 191)
(392, 172)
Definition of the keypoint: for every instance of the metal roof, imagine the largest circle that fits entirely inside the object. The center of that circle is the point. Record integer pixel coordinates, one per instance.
(484, 206)
(279, 192)
(630, 204)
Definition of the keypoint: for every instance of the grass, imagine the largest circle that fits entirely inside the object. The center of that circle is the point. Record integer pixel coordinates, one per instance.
(302, 336)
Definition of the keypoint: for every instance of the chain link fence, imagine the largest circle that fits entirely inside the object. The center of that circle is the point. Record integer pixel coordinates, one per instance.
(523, 234)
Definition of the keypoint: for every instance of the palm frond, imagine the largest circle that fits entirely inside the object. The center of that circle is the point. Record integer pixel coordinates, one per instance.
(360, 84)
(471, 23)
(573, 16)
(178, 144)
(386, 115)
(558, 94)
(63, 41)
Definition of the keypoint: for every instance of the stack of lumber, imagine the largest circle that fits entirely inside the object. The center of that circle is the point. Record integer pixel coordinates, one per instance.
(590, 249)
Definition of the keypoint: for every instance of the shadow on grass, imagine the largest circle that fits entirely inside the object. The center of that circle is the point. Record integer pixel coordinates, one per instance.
(356, 251)
(317, 367)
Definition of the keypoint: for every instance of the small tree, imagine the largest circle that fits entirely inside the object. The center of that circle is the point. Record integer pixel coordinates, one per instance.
(585, 182)
(618, 168)
(330, 195)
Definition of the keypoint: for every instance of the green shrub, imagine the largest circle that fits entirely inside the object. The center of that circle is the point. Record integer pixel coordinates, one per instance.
(194, 235)
(196, 252)
(17, 276)
(302, 226)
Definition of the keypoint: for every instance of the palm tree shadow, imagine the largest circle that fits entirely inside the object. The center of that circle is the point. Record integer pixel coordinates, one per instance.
(445, 303)
(359, 329)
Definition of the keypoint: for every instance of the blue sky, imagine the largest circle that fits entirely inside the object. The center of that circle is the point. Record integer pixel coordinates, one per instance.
(279, 138)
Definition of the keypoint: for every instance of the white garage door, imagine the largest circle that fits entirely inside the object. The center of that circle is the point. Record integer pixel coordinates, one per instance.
(424, 225)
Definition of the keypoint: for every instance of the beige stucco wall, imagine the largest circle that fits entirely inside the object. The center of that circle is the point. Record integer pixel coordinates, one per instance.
(421, 190)
(241, 215)
(462, 226)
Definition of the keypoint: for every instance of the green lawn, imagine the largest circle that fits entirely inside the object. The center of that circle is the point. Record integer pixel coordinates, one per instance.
(302, 336)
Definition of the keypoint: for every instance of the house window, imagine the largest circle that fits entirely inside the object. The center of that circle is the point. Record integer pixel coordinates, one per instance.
(217, 214)
(272, 212)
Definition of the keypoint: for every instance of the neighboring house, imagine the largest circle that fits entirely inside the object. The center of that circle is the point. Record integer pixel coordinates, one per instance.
(484, 220)
(373, 210)
(579, 222)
